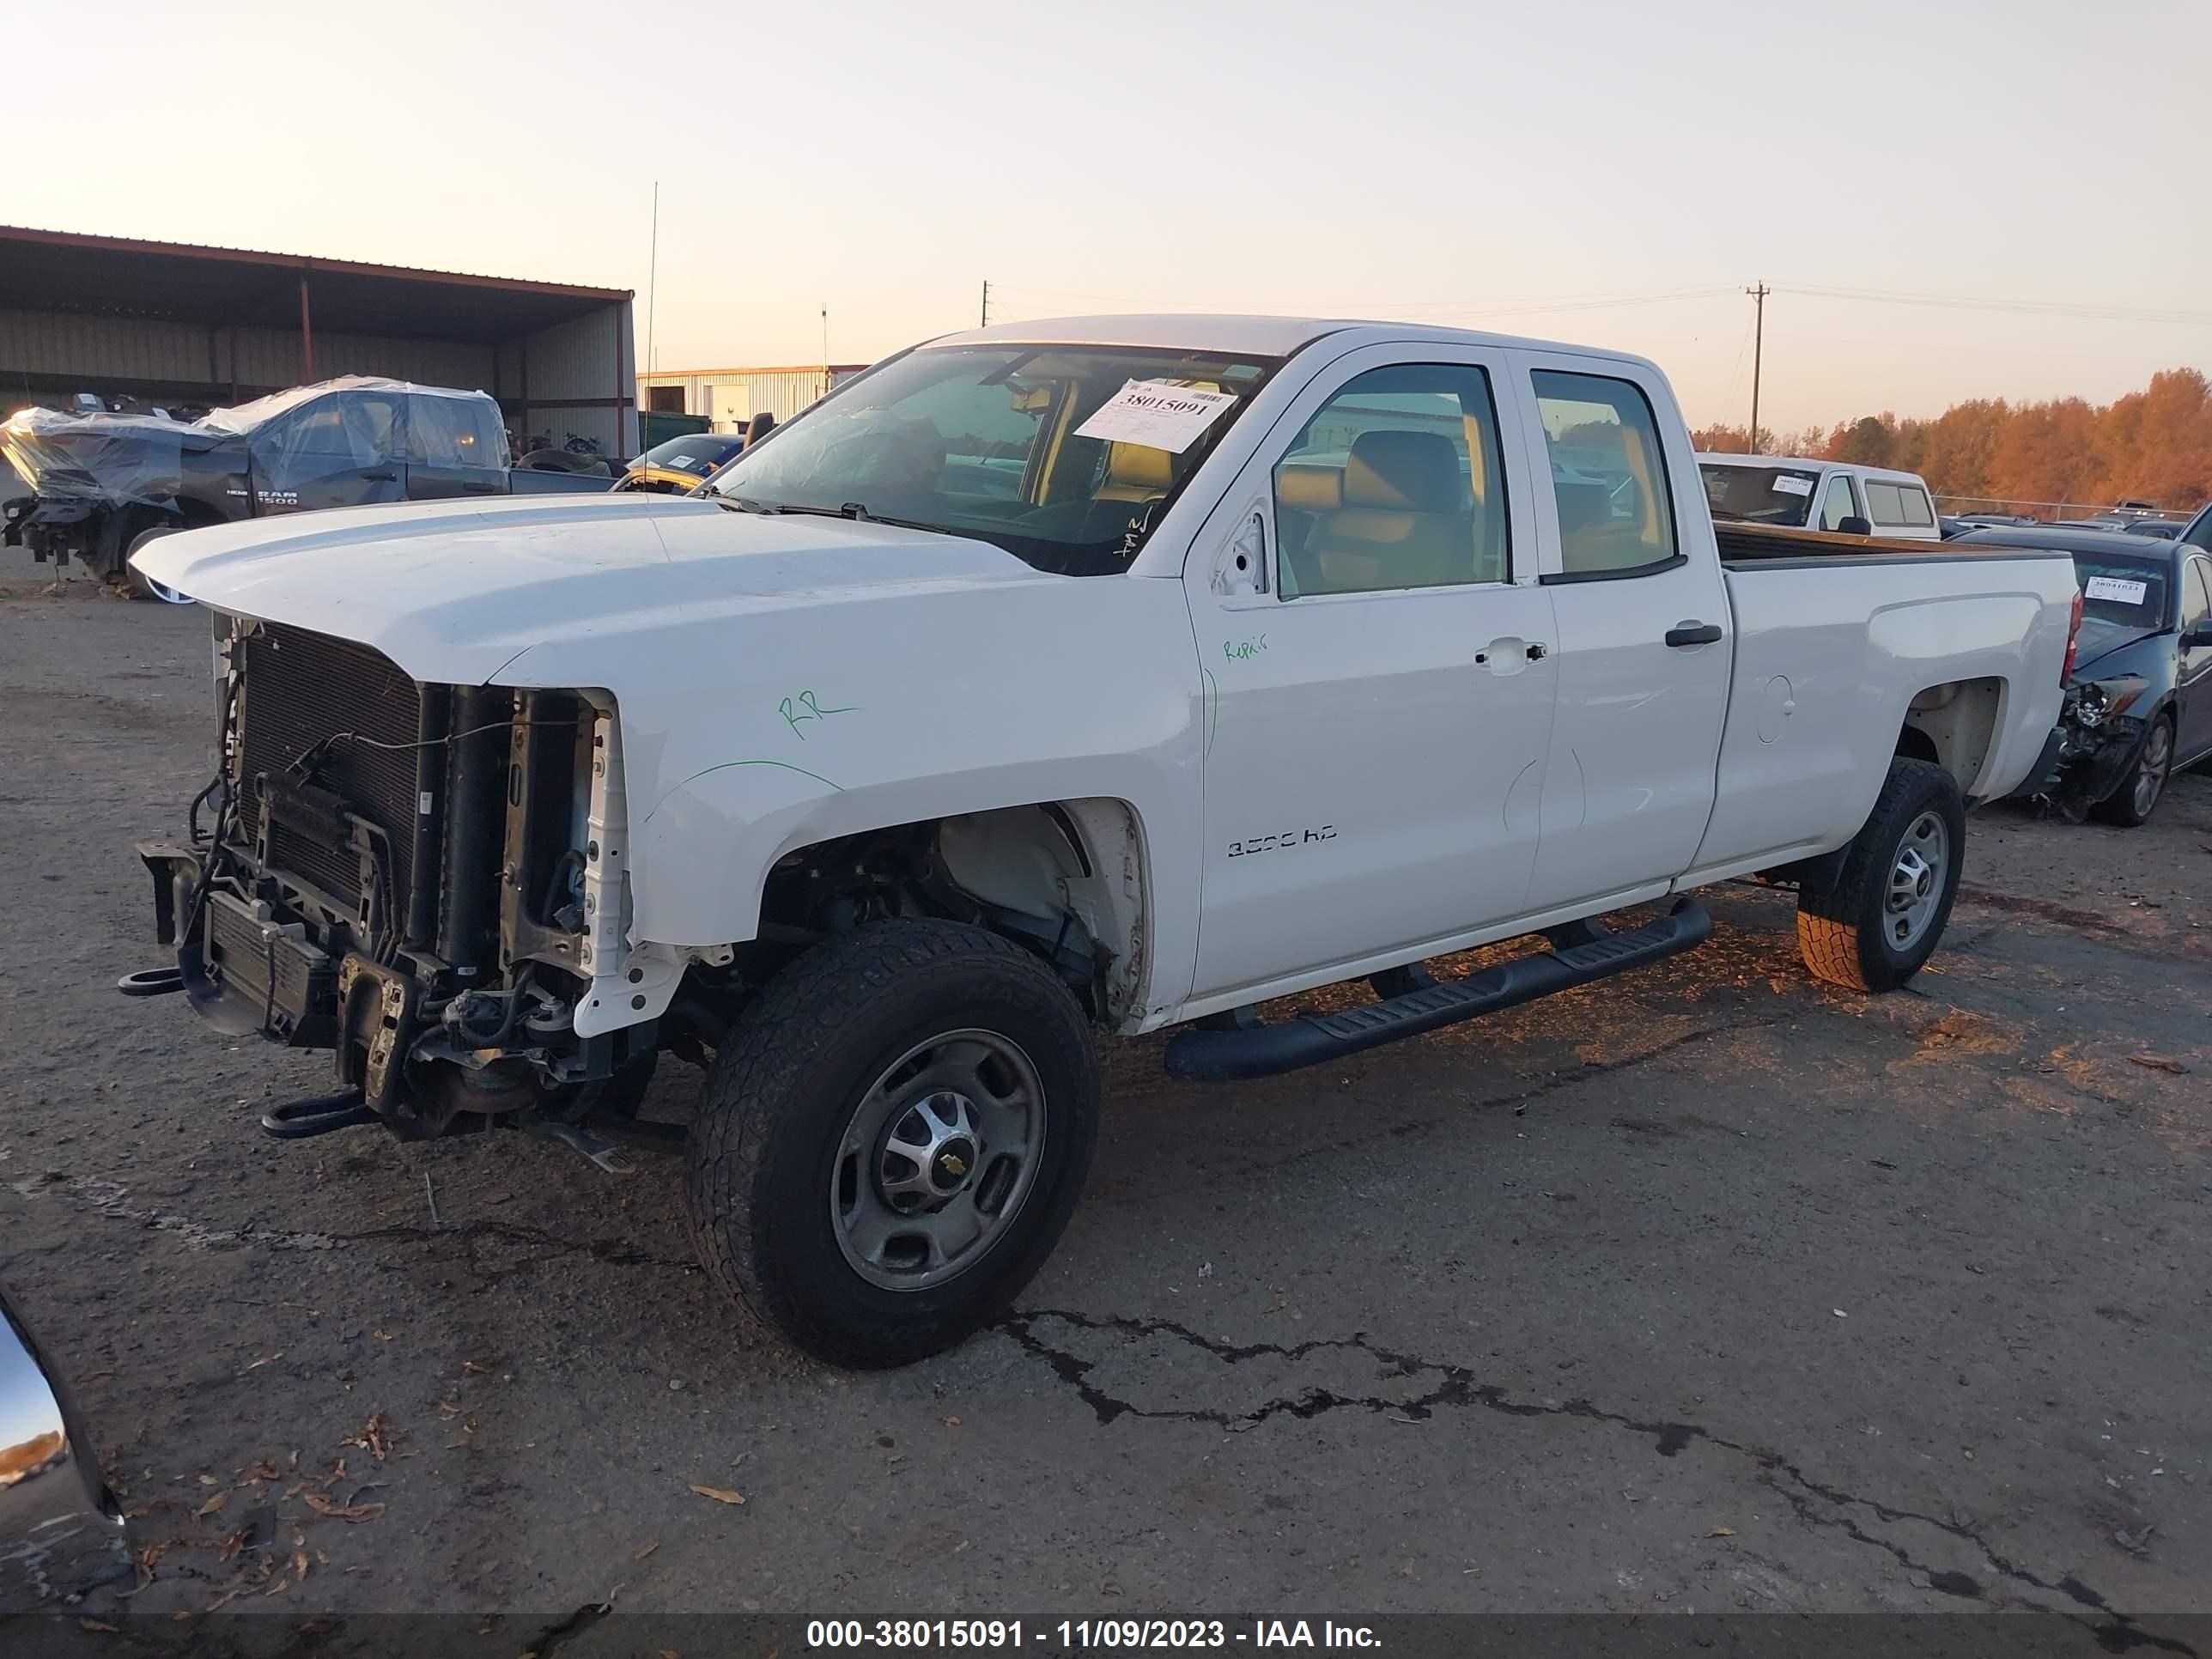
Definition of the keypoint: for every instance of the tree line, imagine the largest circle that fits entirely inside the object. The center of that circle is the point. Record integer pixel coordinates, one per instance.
(2154, 444)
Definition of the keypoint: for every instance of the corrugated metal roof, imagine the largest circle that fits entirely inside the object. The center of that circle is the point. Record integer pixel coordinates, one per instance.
(214, 250)
(66, 271)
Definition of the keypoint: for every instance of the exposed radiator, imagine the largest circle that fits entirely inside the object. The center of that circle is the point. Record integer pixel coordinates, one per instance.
(298, 688)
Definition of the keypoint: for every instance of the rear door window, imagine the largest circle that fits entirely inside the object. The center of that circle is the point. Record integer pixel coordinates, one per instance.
(1897, 505)
(1608, 477)
(457, 432)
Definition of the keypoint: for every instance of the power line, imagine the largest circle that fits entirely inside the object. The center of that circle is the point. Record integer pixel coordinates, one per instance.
(1528, 305)
(2023, 307)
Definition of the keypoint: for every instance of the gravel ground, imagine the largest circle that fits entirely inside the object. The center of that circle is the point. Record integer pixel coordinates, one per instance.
(1709, 1289)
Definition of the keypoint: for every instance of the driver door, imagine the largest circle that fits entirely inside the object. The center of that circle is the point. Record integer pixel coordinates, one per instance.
(338, 450)
(1375, 657)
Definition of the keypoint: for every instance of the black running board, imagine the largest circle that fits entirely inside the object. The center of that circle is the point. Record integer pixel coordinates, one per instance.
(1216, 1056)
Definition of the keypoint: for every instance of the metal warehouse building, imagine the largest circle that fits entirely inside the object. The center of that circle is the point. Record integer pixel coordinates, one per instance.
(730, 397)
(166, 323)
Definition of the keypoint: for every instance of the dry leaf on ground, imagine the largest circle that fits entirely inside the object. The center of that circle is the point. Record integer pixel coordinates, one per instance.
(337, 1511)
(720, 1494)
(2158, 1063)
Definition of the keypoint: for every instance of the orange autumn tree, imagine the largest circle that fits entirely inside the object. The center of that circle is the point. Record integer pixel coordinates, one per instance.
(2154, 444)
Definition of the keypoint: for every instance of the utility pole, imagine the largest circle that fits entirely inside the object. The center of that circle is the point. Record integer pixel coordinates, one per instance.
(826, 337)
(986, 322)
(1758, 342)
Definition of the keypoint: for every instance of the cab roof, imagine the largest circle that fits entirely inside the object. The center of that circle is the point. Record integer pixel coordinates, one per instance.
(1235, 335)
(1810, 464)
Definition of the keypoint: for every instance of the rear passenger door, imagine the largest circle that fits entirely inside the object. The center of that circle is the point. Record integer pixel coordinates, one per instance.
(454, 447)
(1378, 672)
(1629, 559)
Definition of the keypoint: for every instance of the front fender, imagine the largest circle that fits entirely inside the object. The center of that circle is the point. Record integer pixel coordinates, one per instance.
(745, 737)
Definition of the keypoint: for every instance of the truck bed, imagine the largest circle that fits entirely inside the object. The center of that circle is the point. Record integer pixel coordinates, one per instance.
(1760, 544)
(1827, 667)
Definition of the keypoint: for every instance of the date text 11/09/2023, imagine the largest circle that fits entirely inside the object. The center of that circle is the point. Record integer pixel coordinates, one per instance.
(1073, 1634)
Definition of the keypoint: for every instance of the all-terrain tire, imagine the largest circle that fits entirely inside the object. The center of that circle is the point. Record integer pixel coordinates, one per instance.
(1846, 931)
(2131, 804)
(763, 1158)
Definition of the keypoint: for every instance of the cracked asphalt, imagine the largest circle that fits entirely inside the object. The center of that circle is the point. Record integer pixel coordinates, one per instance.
(1709, 1290)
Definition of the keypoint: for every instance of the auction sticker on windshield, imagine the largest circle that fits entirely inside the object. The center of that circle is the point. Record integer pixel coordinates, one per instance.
(1789, 484)
(1156, 414)
(2112, 590)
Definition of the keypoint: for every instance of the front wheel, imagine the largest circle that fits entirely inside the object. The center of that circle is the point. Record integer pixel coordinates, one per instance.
(2130, 805)
(1878, 920)
(893, 1140)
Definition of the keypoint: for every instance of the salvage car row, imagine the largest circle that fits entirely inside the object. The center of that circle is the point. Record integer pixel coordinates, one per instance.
(104, 485)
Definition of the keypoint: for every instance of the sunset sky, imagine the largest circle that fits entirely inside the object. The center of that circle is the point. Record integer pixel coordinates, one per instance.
(1522, 168)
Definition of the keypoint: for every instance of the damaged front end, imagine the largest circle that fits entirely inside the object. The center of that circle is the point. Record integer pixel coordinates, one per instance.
(2101, 727)
(423, 878)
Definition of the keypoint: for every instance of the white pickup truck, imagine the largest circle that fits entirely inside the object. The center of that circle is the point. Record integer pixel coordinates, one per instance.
(1787, 492)
(1089, 676)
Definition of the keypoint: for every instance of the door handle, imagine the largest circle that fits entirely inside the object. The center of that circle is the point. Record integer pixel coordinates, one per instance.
(1509, 654)
(1693, 633)
(482, 488)
(381, 477)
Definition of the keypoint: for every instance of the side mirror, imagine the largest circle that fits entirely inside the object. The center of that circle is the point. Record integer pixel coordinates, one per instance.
(2197, 638)
(1853, 525)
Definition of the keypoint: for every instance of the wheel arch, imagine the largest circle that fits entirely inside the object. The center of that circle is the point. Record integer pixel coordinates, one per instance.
(1047, 873)
(1955, 723)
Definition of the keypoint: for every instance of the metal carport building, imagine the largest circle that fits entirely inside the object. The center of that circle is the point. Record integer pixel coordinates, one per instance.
(169, 323)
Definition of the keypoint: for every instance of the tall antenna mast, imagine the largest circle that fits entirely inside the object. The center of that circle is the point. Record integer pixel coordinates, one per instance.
(653, 280)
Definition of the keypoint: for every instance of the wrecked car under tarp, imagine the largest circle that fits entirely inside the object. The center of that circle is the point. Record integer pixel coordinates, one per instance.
(99, 484)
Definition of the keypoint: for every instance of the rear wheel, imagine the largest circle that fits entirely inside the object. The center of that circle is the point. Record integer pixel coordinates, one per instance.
(892, 1139)
(2132, 803)
(142, 588)
(1878, 920)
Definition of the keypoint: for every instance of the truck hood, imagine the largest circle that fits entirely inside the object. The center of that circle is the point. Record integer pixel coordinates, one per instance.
(455, 592)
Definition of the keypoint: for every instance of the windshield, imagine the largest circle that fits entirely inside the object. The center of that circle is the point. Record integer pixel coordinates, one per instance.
(694, 451)
(2118, 589)
(1760, 495)
(1012, 445)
